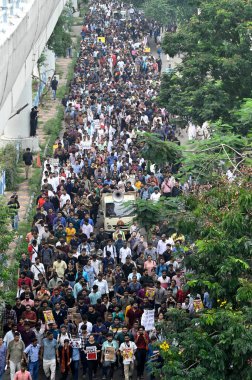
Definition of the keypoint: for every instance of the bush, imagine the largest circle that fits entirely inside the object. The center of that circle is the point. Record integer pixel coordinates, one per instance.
(8, 162)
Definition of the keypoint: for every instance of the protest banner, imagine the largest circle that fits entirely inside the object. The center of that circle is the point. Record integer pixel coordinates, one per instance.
(76, 342)
(148, 319)
(91, 353)
(101, 39)
(198, 305)
(128, 354)
(150, 293)
(109, 354)
(48, 316)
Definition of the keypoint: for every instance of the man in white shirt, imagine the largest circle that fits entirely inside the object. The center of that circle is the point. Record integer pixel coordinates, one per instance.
(161, 246)
(85, 322)
(87, 229)
(127, 350)
(37, 268)
(124, 252)
(155, 195)
(63, 198)
(109, 248)
(164, 280)
(102, 285)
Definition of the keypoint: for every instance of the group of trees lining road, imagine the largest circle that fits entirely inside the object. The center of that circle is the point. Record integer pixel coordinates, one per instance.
(214, 38)
(212, 83)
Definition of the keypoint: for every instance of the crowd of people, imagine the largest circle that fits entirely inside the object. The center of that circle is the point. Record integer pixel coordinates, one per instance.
(82, 293)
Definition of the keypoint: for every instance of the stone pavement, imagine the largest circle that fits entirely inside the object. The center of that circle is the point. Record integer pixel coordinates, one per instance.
(46, 112)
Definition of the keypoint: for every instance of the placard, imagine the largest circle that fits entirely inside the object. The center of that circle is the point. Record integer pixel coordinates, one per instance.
(109, 354)
(128, 354)
(91, 353)
(147, 50)
(150, 293)
(148, 319)
(54, 161)
(101, 39)
(76, 342)
(48, 316)
(198, 305)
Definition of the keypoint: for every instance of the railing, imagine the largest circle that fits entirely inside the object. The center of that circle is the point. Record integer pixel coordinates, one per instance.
(9, 9)
(2, 182)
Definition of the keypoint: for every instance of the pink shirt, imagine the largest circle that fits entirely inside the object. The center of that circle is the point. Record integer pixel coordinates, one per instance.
(19, 375)
(149, 265)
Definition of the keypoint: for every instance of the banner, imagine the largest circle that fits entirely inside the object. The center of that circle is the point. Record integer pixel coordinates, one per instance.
(198, 305)
(150, 293)
(109, 354)
(101, 39)
(48, 316)
(128, 354)
(148, 319)
(76, 342)
(91, 353)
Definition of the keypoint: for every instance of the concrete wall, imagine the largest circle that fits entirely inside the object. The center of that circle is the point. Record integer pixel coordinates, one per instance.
(19, 54)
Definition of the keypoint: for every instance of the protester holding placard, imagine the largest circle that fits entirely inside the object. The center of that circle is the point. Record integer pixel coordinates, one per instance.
(127, 350)
(108, 357)
(91, 351)
(75, 343)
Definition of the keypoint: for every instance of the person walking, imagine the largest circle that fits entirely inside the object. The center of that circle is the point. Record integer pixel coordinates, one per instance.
(23, 374)
(32, 353)
(127, 350)
(3, 351)
(54, 86)
(142, 341)
(108, 357)
(14, 356)
(48, 353)
(65, 359)
(28, 159)
(91, 351)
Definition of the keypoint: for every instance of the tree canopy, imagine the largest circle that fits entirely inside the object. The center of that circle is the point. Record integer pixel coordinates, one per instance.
(215, 74)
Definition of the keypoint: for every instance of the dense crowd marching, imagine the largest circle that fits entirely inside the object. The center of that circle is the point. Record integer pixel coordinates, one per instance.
(82, 293)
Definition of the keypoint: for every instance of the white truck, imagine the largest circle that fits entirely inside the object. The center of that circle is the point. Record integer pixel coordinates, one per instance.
(118, 209)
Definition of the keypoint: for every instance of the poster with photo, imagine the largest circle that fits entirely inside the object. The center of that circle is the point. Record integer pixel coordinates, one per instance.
(76, 342)
(91, 353)
(48, 316)
(109, 354)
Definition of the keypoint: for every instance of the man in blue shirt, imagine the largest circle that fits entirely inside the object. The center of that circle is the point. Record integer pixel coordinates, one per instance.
(48, 352)
(32, 353)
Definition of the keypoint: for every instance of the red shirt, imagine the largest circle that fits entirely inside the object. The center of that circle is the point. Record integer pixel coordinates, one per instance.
(142, 341)
(133, 315)
(25, 280)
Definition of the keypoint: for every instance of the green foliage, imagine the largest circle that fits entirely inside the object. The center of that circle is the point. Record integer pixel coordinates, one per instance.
(244, 115)
(217, 345)
(53, 127)
(157, 151)
(169, 11)
(151, 213)
(215, 74)
(61, 39)
(8, 162)
(207, 160)
(6, 237)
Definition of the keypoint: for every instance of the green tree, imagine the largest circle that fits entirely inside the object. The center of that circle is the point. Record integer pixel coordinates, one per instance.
(214, 346)
(157, 151)
(215, 74)
(170, 11)
(61, 39)
(7, 272)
